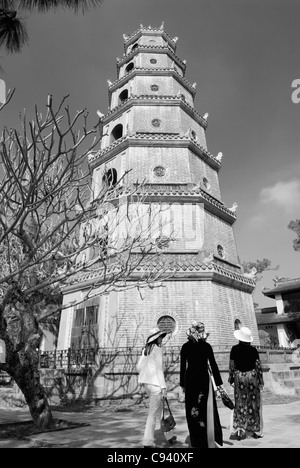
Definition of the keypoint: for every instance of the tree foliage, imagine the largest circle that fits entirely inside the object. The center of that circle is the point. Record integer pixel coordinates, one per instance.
(295, 227)
(258, 267)
(13, 32)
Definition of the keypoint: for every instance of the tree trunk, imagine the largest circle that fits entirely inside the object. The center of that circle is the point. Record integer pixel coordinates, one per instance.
(27, 377)
(20, 331)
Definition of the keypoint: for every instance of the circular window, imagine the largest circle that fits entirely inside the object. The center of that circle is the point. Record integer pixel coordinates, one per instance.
(153, 61)
(159, 171)
(154, 87)
(156, 123)
(166, 324)
(220, 251)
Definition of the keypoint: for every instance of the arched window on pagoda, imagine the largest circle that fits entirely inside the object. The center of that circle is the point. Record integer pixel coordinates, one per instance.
(110, 178)
(116, 133)
(123, 96)
(129, 67)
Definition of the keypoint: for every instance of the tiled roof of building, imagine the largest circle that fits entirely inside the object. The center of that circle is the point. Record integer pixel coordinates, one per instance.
(172, 264)
(153, 48)
(151, 71)
(283, 286)
(274, 318)
(153, 97)
(177, 191)
(147, 29)
(154, 136)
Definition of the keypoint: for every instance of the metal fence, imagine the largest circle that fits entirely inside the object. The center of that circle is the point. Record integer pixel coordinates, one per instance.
(83, 358)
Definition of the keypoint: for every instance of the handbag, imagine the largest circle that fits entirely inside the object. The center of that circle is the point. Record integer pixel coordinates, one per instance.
(167, 422)
(226, 400)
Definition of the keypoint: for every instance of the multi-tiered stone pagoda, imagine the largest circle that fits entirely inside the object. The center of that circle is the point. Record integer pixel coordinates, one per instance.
(153, 131)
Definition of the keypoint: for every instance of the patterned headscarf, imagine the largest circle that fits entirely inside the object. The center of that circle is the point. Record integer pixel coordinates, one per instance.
(197, 332)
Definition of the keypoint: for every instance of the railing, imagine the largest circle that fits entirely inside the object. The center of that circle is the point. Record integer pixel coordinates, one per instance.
(77, 359)
(85, 357)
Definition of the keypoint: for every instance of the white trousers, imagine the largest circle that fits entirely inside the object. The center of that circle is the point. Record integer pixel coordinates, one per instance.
(154, 413)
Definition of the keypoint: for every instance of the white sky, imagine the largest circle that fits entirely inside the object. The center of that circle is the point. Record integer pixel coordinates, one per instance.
(244, 56)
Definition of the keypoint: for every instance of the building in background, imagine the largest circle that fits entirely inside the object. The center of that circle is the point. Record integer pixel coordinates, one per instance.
(153, 130)
(281, 322)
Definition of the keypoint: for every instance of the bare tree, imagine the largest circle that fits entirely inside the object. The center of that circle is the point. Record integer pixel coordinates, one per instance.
(54, 228)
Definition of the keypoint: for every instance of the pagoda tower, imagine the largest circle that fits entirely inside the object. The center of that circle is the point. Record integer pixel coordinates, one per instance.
(153, 131)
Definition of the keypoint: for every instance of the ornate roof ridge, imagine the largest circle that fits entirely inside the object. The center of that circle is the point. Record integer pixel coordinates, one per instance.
(152, 136)
(149, 28)
(186, 191)
(169, 190)
(150, 69)
(155, 97)
(181, 265)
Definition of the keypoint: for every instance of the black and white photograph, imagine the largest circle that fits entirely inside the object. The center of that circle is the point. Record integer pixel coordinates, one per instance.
(149, 226)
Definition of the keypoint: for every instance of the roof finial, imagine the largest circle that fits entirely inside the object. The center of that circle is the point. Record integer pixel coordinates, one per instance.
(175, 39)
(162, 25)
(194, 85)
(219, 156)
(234, 208)
(206, 116)
(125, 37)
(141, 26)
(251, 274)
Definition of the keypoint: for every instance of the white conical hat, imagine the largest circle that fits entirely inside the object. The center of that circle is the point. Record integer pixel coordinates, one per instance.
(244, 334)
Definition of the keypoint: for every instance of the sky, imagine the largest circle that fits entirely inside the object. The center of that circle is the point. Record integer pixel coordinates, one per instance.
(244, 56)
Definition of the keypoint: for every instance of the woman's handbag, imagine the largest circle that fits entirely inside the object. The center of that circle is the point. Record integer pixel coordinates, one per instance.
(167, 422)
(226, 400)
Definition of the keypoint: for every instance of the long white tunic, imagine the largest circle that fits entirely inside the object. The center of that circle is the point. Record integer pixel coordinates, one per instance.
(152, 369)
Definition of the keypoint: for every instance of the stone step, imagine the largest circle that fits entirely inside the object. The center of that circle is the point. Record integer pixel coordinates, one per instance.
(295, 383)
(292, 374)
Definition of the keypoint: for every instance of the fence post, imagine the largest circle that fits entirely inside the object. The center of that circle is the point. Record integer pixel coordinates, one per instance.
(69, 359)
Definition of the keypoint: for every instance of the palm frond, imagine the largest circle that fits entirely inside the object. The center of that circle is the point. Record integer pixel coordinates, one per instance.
(43, 6)
(7, 5)
(13, 34)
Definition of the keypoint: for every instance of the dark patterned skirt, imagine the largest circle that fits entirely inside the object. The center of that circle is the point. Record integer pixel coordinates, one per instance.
(247, 395)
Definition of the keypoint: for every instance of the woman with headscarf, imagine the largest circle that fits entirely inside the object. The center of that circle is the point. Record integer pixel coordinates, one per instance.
(151, 374)
(202, 416)
(245, 374)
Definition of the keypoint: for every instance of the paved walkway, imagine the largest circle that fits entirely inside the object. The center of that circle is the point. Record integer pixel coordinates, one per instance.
(123, 429)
